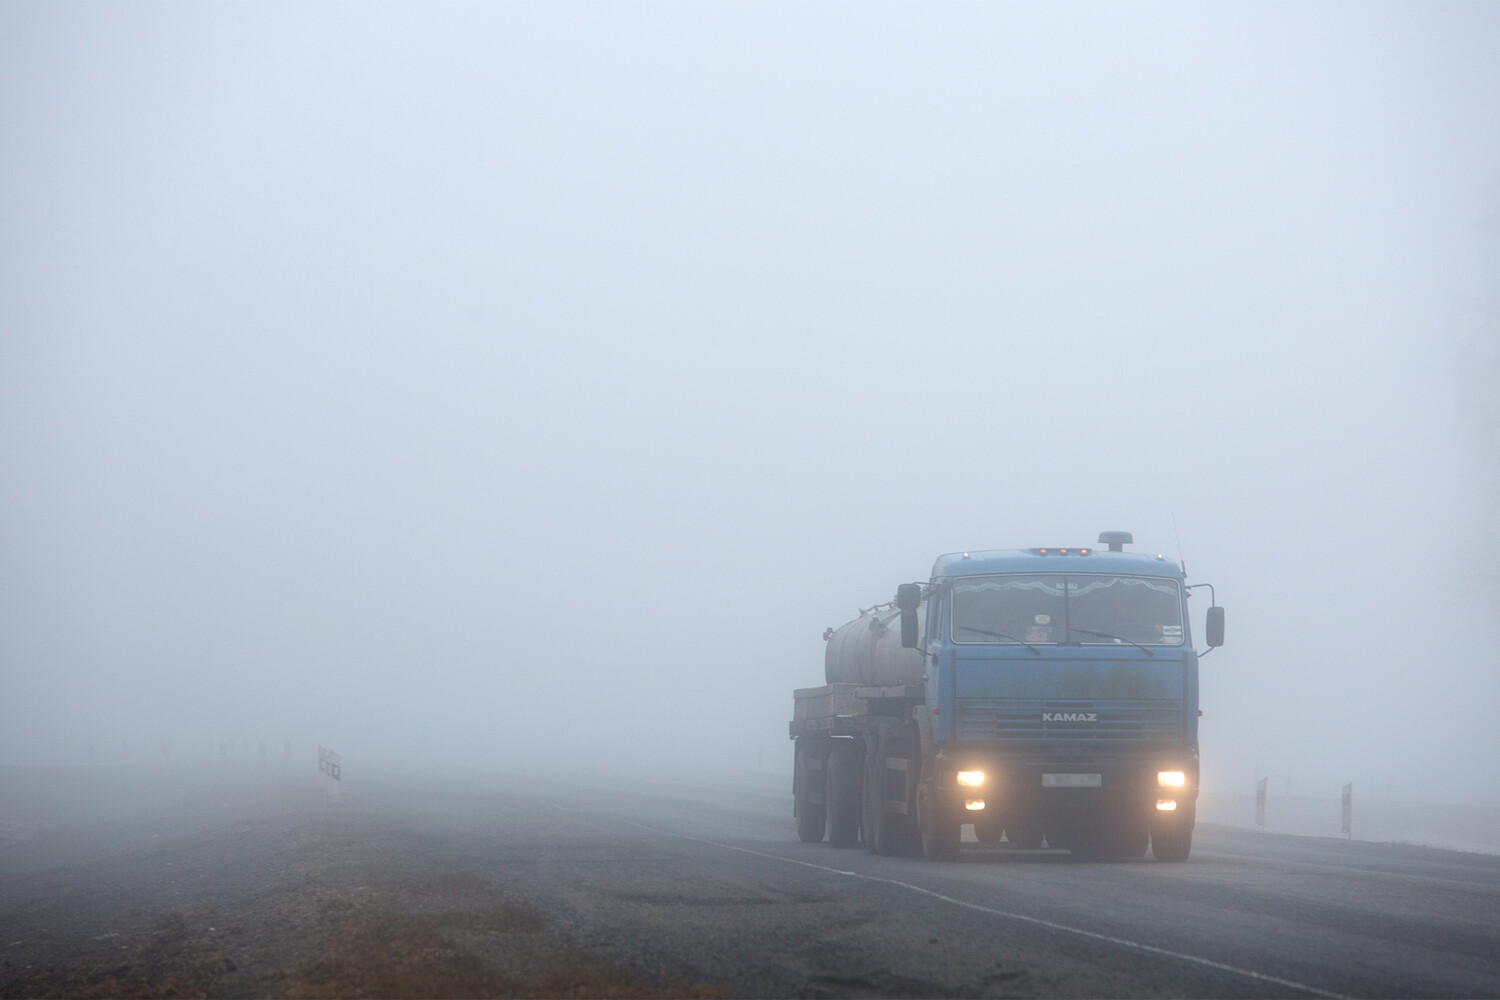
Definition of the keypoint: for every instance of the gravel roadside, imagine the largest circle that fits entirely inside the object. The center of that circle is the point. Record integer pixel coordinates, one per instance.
(262, 889)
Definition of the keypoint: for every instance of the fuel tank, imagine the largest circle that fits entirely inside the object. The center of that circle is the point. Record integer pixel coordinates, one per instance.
(868, 650)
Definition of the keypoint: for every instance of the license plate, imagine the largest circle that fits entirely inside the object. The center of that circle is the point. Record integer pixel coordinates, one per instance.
(1071, 781)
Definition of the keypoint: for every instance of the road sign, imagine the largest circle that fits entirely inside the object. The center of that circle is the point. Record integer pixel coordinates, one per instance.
(332, 766)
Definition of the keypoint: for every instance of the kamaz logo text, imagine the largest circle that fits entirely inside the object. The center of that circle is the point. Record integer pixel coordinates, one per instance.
(1070, 716)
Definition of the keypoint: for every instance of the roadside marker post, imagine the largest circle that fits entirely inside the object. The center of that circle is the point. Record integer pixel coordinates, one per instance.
(1260, 804)
(332, 766)
(1348, 830)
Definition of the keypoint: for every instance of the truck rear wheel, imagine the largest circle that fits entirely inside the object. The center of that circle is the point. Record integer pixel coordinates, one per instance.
(807, 798)
(940, 833)
(842, 798)
(885, 832)
(940, 826)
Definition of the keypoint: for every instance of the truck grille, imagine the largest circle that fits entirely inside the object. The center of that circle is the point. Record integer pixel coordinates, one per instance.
(992, 720)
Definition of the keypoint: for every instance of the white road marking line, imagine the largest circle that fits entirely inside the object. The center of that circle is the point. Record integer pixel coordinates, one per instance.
(1038, 921)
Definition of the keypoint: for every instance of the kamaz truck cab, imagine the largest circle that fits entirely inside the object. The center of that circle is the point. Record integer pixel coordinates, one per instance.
(1061, 699)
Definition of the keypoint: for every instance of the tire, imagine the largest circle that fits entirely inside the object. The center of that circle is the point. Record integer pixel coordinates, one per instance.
(1172, 838)
(902, 836)
(940, 837)
(869, 806)
(902, 832)
(940, 828)
(887, 833)
(812, 817)
(1172, 844)
(1129, 836)
(843, 795)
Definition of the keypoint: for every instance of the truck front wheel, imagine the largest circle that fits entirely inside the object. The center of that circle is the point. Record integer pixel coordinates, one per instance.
(1172, 839)
(1130, 831)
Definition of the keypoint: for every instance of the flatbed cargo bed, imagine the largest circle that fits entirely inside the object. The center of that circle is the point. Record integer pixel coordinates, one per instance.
(841, 709)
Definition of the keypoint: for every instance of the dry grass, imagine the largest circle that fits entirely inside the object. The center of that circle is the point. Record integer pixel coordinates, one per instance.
(171, 962)
(332, 913)
(391, 955)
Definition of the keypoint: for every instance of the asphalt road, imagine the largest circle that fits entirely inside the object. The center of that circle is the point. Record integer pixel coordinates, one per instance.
(707, 882)
(700, 885)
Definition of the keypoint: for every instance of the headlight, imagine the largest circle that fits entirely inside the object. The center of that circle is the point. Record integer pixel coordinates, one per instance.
(971, 779)
(1171, 779)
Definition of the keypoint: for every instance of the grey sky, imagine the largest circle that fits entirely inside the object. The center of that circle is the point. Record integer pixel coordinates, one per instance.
(525, 382)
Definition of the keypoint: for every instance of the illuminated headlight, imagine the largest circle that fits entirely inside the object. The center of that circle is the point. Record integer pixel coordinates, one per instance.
(971, 779)
(1166, 805)
(974, 805)
(1171, 779)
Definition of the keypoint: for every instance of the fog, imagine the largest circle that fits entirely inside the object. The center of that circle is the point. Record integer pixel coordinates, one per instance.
(527, 385)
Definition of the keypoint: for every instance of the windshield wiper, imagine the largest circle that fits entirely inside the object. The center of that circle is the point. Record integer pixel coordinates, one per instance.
(999, 635)
(1106, 635)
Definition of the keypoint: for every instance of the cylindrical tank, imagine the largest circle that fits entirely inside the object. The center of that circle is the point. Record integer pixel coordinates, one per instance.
(868, 650)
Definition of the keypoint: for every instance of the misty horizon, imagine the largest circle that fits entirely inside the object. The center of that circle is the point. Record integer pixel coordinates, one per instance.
(532, 385)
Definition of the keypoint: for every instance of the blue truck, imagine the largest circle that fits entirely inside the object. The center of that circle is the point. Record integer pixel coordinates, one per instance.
(1047, 696)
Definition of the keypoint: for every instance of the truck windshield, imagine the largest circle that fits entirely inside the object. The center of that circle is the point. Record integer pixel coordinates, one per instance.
(1089, 609)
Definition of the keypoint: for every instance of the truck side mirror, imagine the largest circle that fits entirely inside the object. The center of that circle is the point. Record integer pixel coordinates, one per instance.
(908, 598)
(1214, 626)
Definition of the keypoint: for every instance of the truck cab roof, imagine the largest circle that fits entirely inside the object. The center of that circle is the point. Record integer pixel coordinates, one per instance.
(1052, 560)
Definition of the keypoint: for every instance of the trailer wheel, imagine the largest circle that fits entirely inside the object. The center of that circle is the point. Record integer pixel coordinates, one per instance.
(842, 798)
(807, 797)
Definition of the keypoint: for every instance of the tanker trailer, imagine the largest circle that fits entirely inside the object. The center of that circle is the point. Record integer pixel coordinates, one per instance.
(868, 651)
(855, 728)
(1037, 693)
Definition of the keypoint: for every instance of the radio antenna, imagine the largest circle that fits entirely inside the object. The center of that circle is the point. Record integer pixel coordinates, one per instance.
(1180, 561)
